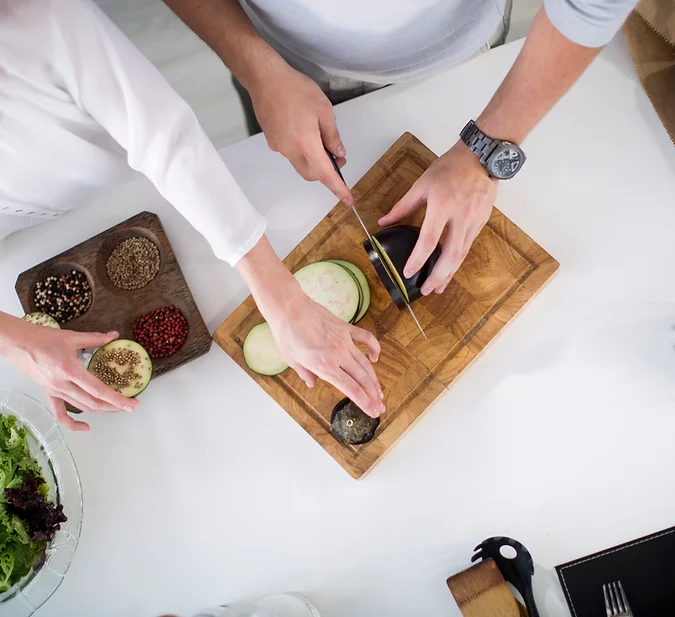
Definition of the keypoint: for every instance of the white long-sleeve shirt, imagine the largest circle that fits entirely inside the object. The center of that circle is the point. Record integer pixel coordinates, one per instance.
(80, 107)
(388, 41)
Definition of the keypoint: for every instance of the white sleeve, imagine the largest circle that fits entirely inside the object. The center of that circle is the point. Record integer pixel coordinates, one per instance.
(113, 82)
(591, 23)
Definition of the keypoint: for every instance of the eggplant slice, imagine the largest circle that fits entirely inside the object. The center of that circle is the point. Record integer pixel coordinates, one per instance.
(351, 425)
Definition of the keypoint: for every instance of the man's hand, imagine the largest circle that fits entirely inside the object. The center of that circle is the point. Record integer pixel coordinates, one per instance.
(298, 121)
(458, 191)
(459, 195)
(48, 357)
(294, 113)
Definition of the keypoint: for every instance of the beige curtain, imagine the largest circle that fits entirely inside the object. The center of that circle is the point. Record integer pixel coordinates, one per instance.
(650, 31)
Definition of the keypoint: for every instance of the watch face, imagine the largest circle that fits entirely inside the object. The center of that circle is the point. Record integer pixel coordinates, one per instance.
(505, 161)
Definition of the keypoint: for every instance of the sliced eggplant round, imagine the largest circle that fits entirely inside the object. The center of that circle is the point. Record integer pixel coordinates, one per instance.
(124, 366)
(391, 268)
(261, 353)
(331, 286)
(351, 425)
(363, 284)
(396, 244)
(42, 319)
(358, 287)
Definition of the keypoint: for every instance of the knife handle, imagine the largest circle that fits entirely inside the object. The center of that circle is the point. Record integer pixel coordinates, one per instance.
(335, 165)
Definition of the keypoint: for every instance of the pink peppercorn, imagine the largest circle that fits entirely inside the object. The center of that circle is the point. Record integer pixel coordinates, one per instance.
(161, 332)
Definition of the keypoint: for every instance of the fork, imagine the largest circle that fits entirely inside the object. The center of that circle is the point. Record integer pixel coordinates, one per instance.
(616, 602)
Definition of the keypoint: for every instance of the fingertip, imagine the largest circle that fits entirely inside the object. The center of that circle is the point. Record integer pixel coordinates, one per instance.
(410, 270)
(75, 425)
(347, 196)
(340, 151)
(130, 405)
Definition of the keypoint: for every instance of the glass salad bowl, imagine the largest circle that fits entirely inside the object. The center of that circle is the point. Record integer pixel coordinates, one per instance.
(49, 447)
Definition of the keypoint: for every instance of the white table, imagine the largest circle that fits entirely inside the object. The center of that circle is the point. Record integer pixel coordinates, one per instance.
(560, 435)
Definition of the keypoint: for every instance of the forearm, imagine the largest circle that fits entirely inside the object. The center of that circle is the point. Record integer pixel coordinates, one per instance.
(110, 79)
(547, 66)
(272, 285)
(224, 27)
(9, 326)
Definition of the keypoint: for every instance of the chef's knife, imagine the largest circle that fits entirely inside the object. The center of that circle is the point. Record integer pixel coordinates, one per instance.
(374, 247)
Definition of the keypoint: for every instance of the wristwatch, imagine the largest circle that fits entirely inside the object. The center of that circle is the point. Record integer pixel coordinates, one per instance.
(501, 159)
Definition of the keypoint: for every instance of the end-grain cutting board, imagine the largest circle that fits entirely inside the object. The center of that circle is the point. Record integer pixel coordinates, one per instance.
(503, 270)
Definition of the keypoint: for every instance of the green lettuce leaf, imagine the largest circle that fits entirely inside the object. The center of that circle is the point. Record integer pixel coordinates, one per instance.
(19, 554)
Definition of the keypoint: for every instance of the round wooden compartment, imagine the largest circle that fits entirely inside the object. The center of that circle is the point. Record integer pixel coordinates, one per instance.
(109, 243)
(59, 269)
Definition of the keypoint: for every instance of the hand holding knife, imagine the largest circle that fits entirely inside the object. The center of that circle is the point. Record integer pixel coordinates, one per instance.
(375, 245)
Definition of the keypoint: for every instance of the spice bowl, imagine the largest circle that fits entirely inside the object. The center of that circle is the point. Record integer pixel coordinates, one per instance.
(114, 308)
(58, 269)
(161, 332)
(148, 309)
(116, 239)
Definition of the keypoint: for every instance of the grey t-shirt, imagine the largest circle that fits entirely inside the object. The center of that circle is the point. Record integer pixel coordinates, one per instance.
(386, 41)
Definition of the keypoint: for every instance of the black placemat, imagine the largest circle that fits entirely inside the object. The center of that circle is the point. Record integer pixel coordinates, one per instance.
(646, 568)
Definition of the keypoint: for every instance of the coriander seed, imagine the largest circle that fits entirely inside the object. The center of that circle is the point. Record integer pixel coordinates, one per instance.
(133, 263)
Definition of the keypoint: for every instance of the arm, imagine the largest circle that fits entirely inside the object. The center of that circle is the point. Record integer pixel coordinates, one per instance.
(48, 357)
(315, 342)
(546, 68)
(113, 82)
(458, 192)
(294, 113)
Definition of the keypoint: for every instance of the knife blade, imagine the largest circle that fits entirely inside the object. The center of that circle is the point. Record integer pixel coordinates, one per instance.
(374, 247)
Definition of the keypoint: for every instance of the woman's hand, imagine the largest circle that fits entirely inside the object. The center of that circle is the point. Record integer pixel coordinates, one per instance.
(317, 344)
(48, 357)
(311, 339)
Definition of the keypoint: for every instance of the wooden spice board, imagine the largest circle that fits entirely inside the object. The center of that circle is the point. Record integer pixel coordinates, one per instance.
(113, 308)
(481, 591)
(502, 271)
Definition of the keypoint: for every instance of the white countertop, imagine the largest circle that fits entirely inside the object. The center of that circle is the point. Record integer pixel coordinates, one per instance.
(560, 435)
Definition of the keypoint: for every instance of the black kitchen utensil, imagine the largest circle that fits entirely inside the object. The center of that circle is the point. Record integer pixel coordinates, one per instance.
(518, 571)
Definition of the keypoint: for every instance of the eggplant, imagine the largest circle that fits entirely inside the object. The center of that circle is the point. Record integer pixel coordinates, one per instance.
(351, 425)
(398, 243)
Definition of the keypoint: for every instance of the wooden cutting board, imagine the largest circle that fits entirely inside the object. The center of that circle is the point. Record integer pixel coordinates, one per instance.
(503, 270)
(481, 591)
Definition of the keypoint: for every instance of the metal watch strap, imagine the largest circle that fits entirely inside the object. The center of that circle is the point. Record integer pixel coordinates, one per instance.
(478, 142)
